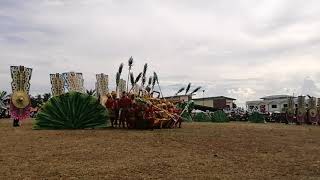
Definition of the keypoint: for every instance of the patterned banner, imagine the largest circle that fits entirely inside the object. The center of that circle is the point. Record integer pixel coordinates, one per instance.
(122, 86)
(20, 78)
(74, 81)
(57, 83)
(102, 84)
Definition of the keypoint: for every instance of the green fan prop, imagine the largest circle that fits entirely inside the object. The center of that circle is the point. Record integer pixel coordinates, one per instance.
(256, 118)
(219, 116)
(187, 108)
(202, 117)
(72, 110)
(186, 117)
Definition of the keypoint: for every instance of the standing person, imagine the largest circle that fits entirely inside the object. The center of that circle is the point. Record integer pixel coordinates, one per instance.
(115, 108)
(124, 104)
(149, 116)
(110, 106)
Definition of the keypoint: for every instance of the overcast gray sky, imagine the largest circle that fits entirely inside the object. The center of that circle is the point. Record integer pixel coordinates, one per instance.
(242, 48)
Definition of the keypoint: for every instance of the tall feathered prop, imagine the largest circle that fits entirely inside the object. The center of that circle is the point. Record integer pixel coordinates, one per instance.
(144, 72)
(154, 81)
(130, 64)
(117, 79)
(138, 78)
(195, 90)
(188, 88)
(157, 80)
(148, 88)
(179, 91)
(150, 81)
(132, 79)
(120, 69)
(118, 76)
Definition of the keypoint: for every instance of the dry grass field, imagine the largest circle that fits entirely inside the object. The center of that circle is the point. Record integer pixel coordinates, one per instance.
(197, 151)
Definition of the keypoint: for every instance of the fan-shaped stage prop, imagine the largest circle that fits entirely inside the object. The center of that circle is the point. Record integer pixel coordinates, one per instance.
(201, 117)
(72, 110)
(186, 108)
(256, 117)
(219, 116)
(20, 100)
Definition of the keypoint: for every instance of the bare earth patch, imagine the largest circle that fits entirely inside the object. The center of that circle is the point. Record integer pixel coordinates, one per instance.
(197, 151)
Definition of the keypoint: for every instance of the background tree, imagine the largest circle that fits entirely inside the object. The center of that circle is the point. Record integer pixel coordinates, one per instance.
(36, 101)
(46, 97)
(91, 92)
(3, 97)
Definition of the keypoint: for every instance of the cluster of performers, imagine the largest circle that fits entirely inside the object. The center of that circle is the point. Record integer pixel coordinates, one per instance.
(134, 112)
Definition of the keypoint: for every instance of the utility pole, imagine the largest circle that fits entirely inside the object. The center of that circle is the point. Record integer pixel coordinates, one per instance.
(203, 97)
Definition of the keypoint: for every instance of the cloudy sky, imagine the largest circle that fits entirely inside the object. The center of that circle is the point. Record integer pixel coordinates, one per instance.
(243, 49)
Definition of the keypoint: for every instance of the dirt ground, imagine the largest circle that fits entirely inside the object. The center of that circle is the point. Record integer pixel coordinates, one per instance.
(197, 151)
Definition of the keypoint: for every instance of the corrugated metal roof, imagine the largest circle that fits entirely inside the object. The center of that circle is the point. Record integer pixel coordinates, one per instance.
(216, 97)
(275, 97)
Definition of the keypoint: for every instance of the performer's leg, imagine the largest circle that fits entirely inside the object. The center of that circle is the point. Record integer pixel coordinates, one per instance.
(116, 118)
(124, 115)
(16, 122)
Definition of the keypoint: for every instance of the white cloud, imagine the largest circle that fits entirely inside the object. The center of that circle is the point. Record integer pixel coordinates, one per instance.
(230, 48)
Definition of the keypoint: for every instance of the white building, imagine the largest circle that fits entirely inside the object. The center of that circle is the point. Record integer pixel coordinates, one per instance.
(271, 104)
(184, 98)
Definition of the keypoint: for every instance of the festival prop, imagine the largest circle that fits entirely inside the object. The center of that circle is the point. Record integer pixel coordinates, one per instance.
(256, 117)
(74, 82)
(72, 110)
(118, 78)
(312, 110)
(57, 83)
(188, 88)
(122, 86)
(202, 117)
(290, 111)
(130, 64)
(219, 116)
(301, 110)
(144, 73)
(102, 85)
(20, 100)
(179, 91)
